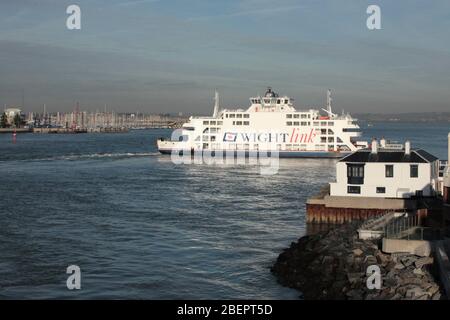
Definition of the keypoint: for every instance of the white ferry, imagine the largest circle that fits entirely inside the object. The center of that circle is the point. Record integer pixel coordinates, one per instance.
(271, 123)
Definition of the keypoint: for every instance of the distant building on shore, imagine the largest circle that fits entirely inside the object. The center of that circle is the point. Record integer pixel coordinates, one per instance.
(11, 114)
(385, 172)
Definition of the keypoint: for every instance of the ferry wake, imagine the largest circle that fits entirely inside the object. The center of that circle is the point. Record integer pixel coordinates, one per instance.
(270, 124)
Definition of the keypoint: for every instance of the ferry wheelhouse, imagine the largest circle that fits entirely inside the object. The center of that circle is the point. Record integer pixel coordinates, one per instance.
(271, 123)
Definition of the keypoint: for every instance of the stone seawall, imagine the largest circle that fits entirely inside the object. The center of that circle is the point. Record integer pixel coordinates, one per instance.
(333, 265)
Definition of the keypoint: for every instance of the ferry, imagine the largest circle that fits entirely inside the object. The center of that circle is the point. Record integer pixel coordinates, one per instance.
(270, 124)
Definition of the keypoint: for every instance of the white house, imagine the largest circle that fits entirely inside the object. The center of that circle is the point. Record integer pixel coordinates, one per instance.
(386, 172)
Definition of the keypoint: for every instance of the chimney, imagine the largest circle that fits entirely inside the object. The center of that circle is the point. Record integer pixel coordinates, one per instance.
(374, 146)
(383, 143)
(407, 148)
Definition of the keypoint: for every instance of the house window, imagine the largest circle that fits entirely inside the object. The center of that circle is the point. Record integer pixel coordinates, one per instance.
(354, 189)
(414, 171)
(389, 171)
(355, 173)
(381, 190)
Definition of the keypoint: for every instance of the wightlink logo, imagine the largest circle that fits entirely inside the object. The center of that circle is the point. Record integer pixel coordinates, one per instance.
(263, 155)
(295, 136)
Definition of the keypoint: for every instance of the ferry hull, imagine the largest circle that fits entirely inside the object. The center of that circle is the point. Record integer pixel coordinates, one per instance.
(281, 154)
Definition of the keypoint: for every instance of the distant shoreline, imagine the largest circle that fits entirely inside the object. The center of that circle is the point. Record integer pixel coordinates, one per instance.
(426, 117)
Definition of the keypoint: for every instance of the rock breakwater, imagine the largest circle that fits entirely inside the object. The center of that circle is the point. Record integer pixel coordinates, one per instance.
(333, 265)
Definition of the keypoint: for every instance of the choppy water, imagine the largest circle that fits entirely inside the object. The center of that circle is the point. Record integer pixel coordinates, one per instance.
(141, 227)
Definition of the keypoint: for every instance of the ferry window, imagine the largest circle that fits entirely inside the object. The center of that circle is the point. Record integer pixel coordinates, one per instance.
(315, 123)
(206, 122)
(267, 101)
(213, 138)
(246, 115)
(226, 116)
(296, 123)
(296, 116)
(331, 123)
(330, 131)
(323, 131)
(239, 123)
(234, 123)
(354, 189)
(323, 139)
(278, 101)
(323, 123)
(286, 101)
(303, 116)
(289, 123)
(213, 123)
(205, 138)
(304, 123)
(246, 123)
(239, 115)
(339, 140)
(219, 123)
(389, 171)
(213, 130)
(309, 116)
(381, 190)
(330, 139)
(232, 115)
(414, 171)
(289, 116)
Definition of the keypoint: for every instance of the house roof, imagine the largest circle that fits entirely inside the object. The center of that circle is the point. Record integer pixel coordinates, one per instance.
(365, 155)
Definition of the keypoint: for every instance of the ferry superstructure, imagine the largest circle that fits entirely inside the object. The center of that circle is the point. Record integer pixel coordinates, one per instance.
(271, 123)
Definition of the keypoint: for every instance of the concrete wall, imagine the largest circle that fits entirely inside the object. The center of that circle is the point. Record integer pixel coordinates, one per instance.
(417, 247)
(364, 203)
(400, 186)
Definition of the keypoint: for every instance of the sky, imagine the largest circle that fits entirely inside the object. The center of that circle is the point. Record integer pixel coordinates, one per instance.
(168, 56)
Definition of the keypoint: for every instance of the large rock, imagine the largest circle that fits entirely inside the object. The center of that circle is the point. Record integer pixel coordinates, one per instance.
(423, 261)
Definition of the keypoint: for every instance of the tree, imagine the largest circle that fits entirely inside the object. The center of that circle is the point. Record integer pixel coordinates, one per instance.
(3, 121)
(17, 120)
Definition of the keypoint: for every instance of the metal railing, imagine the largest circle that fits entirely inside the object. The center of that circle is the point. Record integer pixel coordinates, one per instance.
(405, 227)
